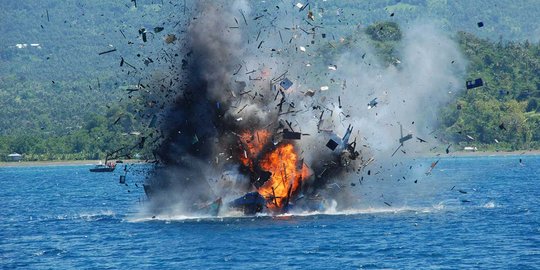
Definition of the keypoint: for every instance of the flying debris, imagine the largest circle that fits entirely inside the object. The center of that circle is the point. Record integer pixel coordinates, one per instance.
(405, 138)
(346, 151)
(310, 93)
(285, 84)
(372, 103)
(106, 52)
(343, 142)
(143, 32)
(311, 16)
(332, 144)
(170, 38)
(474, 84)
(290, 135)
(432, 167)
(245, 119)
(402, 139)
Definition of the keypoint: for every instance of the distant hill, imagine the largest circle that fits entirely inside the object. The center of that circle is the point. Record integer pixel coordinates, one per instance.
(58, 95)
(502, 19)
(53, 86)
(504, 112)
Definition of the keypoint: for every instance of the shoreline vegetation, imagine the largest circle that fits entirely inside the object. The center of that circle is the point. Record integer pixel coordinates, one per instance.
(485, 153)
(63, 163)
(137, 161)
(83, 120)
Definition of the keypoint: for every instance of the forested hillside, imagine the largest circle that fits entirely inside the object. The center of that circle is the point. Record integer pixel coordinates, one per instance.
(504, 113)
(54, 86)
(505, 19)
(61, 99)
(59, 96)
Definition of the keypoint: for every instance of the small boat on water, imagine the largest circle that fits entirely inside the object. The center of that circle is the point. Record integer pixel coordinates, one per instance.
(108, 167)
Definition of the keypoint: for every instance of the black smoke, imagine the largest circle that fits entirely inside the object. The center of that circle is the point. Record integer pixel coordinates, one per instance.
(225, 84)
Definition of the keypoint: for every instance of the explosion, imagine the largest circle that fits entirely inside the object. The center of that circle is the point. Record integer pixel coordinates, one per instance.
(281, 166)
(247, 129)
(285, 176)
(253, 144)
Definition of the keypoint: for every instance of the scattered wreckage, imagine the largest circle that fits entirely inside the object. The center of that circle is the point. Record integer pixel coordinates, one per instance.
(267, 154)
(280, 180)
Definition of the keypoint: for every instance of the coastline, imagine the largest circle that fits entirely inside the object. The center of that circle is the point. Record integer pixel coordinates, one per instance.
(132, 161)
(60, 163)
(486, 153)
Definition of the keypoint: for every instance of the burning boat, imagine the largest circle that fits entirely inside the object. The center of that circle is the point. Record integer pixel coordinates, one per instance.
(280, 176)
(279, 179)
(216, 121)
(275, 170)
(251, 112)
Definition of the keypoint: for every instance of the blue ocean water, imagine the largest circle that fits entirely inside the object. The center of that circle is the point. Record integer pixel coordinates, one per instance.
(479, 212)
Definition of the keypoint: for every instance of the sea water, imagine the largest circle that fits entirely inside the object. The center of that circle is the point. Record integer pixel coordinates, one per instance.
(472, 212)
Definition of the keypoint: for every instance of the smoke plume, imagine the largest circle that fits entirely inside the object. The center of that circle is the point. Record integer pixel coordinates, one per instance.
(237, 58)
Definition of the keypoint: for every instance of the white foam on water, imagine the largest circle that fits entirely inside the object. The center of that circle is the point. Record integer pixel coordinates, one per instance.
(490, 204)
(97, 215)
(331, 211)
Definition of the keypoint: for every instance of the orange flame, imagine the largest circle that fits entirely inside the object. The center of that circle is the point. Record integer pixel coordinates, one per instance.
(287, 171)
(253, 144)
(285, 179)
